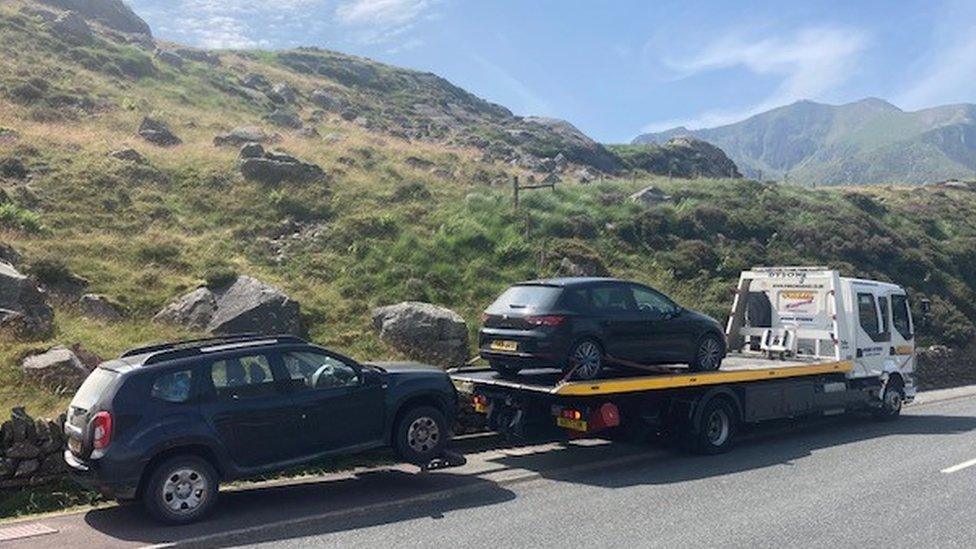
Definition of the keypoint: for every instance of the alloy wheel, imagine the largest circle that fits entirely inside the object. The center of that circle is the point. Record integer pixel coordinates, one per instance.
(587, 360)
(709, 354)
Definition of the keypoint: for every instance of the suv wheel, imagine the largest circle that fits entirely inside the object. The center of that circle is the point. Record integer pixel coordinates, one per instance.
(420, 435)
(585, 360)
(708, 356)
(181, 490)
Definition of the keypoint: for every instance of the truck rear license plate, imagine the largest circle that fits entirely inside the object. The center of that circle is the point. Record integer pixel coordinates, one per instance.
(574, 424)
(502, 345)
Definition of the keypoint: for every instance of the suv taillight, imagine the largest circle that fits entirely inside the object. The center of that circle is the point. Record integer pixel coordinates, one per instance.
(551, 320)
(101, 430)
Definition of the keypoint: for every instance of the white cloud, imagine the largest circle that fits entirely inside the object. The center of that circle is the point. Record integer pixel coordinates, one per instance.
(807, 64)
(381, 12)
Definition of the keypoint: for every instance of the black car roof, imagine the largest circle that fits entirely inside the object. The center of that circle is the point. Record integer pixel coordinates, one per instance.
(566, 282)
(175, 350)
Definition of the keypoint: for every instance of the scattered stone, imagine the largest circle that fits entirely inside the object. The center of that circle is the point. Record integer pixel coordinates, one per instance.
(58, 368)
(309, 132)
(246, 305)
(417, 162)
(23, 450)
(272, 168)
(424, 331)
(72, 27)
(23, 308)
(584, 176)
(158, 133)
(285, 119)
(650, 196)
(170, 58)
(13, 168)
(255, 81)
(8, 254)
(242, 135)
(100, 307)
(193, 310)
(128, 155)
(199, 56)
(326, 100)
(27, 468)
(551, 179)
(285, 92)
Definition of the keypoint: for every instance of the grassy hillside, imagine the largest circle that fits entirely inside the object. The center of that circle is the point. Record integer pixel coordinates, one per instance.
(397, 218)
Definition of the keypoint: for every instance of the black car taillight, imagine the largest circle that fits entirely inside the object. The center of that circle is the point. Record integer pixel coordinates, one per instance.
(101, 426)
(549, 320)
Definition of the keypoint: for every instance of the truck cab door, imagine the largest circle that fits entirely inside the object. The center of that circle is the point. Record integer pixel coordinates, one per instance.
(873, 340)
(902, 332)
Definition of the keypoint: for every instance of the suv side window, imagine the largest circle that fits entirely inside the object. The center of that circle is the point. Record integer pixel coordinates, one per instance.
(173, 387)
(243, 377)
(311, 370)
(652, 302)
(900, 316)
(613, 299)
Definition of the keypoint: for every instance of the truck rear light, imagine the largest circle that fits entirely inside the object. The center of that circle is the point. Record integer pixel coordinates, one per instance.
(101, 430)
(549, 320)
(572, 414)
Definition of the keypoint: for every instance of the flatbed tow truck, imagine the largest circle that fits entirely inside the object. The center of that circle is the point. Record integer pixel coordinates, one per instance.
(802, 341)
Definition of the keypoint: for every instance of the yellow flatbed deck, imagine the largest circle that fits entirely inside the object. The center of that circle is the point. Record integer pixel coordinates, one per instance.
(735, 369)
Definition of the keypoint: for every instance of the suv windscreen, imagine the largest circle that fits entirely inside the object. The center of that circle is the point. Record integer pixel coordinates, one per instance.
(526, 297)
(91, 390)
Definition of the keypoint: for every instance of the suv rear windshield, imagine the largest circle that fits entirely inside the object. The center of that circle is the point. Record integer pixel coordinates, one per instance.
(527, 297)
(93, 387)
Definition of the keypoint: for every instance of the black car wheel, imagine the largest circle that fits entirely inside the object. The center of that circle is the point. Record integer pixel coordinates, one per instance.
(420, 435)
(585, 360)
(709, 355)
(503, 368)
(181, 490)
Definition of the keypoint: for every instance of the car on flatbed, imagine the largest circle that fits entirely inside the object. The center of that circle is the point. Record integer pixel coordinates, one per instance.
(167, 423)
(581, 325)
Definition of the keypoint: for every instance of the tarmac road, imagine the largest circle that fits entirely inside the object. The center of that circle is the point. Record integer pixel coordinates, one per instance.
(837, 482)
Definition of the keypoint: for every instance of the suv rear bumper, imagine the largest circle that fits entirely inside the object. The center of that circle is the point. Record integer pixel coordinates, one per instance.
(90, 475)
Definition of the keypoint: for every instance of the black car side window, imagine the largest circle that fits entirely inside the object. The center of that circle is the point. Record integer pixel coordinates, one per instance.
(613, 299)
(653, 303)
(243, 377)
(173, 387)
(309, 370)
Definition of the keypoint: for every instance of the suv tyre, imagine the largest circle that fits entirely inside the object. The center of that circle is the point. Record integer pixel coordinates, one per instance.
(181, 490)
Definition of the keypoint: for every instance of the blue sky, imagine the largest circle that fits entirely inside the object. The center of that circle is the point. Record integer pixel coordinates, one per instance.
(617, 68)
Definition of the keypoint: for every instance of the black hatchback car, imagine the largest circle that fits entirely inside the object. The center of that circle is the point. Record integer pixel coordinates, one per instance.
(166, 424)
(582, 324)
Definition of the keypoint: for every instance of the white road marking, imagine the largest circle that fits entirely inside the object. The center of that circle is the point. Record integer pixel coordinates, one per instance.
(959, 467)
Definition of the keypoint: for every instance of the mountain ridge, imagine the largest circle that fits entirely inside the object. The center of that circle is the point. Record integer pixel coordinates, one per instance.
(864, 141)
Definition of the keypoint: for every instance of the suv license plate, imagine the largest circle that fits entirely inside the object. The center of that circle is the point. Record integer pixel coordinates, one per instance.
(574, 424)
(501, 345)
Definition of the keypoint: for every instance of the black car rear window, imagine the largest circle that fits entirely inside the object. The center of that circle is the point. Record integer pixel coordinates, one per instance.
(91, 390)
(527, 297)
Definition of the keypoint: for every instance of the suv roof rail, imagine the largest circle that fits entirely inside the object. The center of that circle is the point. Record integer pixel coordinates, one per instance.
(165, 351)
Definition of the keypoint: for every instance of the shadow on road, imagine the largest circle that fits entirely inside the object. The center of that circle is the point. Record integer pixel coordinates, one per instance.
(253, 507)
(763, 446)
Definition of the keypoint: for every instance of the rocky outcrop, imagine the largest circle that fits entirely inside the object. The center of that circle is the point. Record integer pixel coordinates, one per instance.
(425, 332)
(158, 133)
(128, 155)
(326, 100)
(24, 311)
(284, 119)
(72, 27)
(58, 368)
(200, 56)
(283, 93)
(30, 450)
(100, 307)
(650, 196)
(246, 305)
(240, 136)
(272, 168)
(170, 58)
(114, 14)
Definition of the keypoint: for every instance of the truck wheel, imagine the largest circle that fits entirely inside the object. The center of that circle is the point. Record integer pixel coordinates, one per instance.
(585, 360)
(708, 357)
(503, 368)
(181, 490)
(420, 435)
(716, 428)
(892, 401)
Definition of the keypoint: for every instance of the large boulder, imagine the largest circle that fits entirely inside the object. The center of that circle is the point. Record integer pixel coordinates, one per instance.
(58, 368)
(193, 310)
(424, 331)
(283, 93)
(100, 307)
(326, 100)
(272, 168)
(284, 119)
(114, 14)
(73, 28)
(241, 136)
(23, 308)
(158, 133)
(246, 305)
(650, 196)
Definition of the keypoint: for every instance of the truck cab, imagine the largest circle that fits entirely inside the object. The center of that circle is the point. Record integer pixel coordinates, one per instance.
(787, 312)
